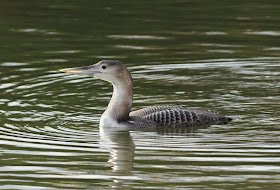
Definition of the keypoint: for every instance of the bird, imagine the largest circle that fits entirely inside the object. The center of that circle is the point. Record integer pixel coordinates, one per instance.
(118, 112)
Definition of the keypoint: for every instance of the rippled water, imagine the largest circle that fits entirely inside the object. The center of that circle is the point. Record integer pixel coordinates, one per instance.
(222, 56)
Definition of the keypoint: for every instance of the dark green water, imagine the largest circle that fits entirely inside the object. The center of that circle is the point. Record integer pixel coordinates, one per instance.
(220, 55)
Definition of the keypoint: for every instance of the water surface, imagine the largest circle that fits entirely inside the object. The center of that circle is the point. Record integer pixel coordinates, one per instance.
(223, 56)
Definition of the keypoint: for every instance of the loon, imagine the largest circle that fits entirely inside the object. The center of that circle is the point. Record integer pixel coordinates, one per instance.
(118, 112)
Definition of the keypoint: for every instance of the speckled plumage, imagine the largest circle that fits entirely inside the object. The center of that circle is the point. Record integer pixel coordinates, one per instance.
(162, 116)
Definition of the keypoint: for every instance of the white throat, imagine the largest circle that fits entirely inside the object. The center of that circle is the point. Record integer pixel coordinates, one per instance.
(117, 112)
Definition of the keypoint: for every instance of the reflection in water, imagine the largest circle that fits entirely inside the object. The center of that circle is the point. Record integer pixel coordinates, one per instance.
(121, 145)
(121, 148)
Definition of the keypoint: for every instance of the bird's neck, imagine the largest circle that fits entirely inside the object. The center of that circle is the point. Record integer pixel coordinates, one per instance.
(121, 101)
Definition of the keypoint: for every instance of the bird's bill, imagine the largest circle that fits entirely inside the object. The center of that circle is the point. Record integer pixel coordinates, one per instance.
(72, 71)
(85, 70)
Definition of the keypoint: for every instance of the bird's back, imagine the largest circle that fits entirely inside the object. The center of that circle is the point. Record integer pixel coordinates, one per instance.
(176, 116)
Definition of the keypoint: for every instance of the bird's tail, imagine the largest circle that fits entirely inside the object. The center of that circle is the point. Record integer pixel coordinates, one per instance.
(224, 119)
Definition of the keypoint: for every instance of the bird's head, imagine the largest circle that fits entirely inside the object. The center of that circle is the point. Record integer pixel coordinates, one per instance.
(108, 70)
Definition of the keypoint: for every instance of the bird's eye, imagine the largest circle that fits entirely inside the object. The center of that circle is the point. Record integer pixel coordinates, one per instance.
(103, 67)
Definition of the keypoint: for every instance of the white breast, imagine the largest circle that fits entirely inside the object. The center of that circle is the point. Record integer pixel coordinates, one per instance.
(107, 121)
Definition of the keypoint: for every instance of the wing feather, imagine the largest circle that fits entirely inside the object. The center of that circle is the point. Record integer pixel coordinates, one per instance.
(179, 116)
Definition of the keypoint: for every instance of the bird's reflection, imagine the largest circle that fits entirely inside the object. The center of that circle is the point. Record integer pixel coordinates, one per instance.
(121, 147)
